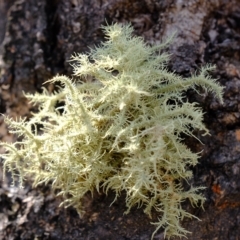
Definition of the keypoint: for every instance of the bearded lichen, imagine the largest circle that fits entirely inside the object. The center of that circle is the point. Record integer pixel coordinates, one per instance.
(120, 127)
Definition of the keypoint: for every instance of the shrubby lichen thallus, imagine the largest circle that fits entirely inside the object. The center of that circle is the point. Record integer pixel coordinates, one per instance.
(121, 131)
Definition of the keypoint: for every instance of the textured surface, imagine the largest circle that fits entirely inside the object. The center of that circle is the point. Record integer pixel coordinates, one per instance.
(38, 41)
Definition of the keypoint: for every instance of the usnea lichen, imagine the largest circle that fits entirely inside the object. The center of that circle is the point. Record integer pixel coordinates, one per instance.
(119, 128)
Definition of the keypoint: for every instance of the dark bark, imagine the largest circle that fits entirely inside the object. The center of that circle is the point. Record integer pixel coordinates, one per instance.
(38, 37)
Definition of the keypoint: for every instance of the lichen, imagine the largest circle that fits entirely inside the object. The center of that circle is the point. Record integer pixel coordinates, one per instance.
(119, 127)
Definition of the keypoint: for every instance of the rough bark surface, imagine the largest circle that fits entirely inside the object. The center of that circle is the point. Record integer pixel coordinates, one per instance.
(37, 39)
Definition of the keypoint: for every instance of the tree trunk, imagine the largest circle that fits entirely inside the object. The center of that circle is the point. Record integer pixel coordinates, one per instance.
(37, 39)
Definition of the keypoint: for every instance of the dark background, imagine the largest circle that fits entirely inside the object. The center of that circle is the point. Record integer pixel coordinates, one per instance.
(36, 40)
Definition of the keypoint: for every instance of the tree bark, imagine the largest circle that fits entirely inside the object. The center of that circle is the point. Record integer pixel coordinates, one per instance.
(37, 39)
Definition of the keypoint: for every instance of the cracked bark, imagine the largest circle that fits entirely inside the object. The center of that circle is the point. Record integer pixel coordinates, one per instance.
(37, 41)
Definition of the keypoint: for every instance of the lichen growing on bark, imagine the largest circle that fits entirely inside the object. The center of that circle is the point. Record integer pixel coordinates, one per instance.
(121, 131)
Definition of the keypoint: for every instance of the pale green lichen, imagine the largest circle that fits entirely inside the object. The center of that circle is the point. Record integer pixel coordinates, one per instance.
(121, 131)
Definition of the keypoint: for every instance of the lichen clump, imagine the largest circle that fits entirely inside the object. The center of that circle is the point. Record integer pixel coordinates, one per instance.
(119, 127)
